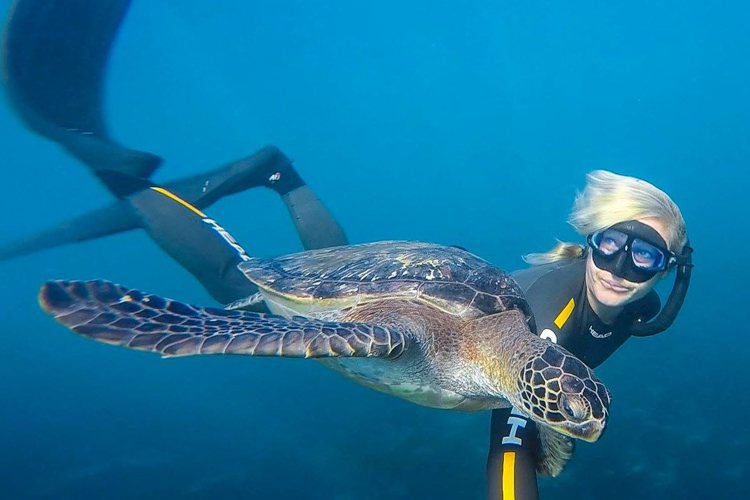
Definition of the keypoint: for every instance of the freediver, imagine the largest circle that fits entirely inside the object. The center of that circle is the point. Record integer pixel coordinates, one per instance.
(588, 298)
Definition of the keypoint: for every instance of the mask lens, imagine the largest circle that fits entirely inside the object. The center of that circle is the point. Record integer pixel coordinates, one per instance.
(647, 256)
(608, 242)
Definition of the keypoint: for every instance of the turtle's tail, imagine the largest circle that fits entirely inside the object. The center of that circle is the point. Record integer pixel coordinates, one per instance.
(113, 314)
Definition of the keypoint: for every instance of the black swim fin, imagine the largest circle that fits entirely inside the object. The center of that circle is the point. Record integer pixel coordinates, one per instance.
(112, 219)
(55, 57)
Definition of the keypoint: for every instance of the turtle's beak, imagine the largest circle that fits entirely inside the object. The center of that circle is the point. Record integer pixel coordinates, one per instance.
(589, 431)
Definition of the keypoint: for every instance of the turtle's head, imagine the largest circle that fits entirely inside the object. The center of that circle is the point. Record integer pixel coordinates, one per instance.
(558, 390)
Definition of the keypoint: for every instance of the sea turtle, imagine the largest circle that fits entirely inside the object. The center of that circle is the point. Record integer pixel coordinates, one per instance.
(432, 324)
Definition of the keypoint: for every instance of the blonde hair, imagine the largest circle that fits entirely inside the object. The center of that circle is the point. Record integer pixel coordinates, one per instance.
(609, 198)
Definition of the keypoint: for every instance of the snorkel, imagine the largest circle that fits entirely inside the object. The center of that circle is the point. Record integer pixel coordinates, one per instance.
(614, 249)
(669, 312)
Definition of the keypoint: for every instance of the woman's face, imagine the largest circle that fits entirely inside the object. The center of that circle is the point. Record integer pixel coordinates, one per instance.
(607, 291)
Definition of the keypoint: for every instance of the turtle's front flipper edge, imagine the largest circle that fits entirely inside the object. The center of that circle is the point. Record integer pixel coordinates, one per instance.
(113, 314)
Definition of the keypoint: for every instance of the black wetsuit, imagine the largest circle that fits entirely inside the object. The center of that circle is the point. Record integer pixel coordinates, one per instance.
(562, 314)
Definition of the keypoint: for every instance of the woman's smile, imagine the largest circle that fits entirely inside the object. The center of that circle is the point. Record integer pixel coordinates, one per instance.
(613, 286)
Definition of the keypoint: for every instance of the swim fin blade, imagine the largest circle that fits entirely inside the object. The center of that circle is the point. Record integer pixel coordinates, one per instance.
(55, 60)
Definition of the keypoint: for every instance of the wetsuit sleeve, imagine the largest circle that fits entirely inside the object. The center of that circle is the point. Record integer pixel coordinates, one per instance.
(511, 464)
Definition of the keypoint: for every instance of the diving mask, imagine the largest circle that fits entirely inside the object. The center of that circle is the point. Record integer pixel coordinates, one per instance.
(631, 250)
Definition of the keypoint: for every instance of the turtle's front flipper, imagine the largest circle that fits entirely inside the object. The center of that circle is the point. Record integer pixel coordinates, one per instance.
(555, 450)
(116, 315)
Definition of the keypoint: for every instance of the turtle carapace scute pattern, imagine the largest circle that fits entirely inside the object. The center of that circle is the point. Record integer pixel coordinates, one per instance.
(450, 278)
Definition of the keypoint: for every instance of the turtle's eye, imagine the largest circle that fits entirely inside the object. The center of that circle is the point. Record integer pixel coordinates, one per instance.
(573, 407)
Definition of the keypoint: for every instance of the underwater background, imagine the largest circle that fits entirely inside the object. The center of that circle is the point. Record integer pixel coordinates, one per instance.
(472, 125)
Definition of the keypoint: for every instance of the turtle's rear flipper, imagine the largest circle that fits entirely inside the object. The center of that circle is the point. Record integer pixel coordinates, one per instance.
(116, 315)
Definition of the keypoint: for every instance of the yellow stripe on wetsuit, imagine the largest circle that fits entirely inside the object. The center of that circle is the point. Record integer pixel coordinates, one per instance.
(509, 473)
(565, 313)
(179, 200)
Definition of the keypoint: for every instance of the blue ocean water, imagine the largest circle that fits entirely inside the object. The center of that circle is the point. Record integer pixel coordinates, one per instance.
(471, 125)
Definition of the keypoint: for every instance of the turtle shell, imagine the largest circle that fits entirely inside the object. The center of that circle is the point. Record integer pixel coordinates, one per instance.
(449, 278)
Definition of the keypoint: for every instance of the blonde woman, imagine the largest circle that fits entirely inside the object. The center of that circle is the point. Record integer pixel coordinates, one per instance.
(591, 299)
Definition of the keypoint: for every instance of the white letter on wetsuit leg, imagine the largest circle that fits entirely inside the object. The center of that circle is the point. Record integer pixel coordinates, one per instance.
(515, 421)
